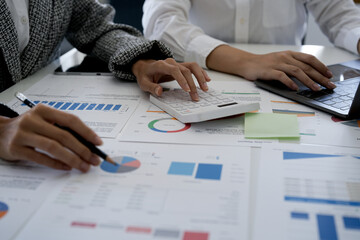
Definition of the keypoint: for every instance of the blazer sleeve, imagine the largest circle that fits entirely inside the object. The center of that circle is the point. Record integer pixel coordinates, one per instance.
(92, 31)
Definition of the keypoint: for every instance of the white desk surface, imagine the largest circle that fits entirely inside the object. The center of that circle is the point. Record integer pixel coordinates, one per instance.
(328, 55)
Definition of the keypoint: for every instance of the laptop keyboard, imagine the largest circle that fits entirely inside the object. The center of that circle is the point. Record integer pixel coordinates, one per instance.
(341, 97)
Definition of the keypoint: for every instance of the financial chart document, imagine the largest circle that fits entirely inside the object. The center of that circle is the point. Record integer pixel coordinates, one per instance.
(156, 191)
(101, 102)
(308, 192)
(315, 125)
(23, 188)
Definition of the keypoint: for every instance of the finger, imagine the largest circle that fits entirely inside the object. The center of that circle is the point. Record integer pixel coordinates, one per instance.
(313, 62)
(199, 74)
(300, 75)
(188, 76)
(208, 79)
(314, 74)
(280, 76)
(68, 120)
(173, 69)
(56, 150)
(148, 86)
(65, 138)
(29, 154)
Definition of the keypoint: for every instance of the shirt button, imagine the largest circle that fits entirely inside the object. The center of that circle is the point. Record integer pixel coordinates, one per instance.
(242, 20)
(24, 20)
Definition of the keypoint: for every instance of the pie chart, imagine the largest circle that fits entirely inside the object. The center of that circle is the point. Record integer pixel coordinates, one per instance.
(3, 209)
(168, 125)
(124, 164)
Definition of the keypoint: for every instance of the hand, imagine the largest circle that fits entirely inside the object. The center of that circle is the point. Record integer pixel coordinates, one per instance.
(23, 136)
(149, 73)
(273, 66)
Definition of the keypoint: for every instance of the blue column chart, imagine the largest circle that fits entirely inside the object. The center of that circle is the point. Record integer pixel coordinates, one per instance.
(78, 106)
(204, 171)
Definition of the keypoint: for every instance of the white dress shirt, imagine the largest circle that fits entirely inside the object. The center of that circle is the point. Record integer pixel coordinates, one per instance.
(194, 28)
(19, 10)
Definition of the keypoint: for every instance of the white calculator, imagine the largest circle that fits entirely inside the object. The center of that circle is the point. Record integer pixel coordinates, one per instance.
(213, 104)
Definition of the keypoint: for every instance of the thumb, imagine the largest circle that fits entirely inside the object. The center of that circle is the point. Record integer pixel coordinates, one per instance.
(151, 87)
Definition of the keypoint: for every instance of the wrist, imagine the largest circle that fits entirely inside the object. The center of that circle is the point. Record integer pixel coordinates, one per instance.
(138, 66)
(228, 59)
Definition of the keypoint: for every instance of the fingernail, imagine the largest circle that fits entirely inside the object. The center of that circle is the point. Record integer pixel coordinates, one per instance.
(98, 140)
(207, 76)
(329, 73)
(205, 86)
(196, 96)
(331, 85)
(187, 88)
(316, 87)
(294, 86)
(158, 91)
(94, 160)
(84, 167)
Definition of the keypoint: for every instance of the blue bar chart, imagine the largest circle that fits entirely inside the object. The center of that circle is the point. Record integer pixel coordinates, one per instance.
(204, 170)
(326, 225)
(352, 223)
(77, 106)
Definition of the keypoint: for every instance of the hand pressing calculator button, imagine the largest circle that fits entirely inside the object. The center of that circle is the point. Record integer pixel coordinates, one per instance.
(212, 105)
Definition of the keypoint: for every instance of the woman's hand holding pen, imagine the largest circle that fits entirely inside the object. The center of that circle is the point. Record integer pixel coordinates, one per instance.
(150, 73)
(33, 134)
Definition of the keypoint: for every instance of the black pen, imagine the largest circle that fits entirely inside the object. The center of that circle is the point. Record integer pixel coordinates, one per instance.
(88, 144)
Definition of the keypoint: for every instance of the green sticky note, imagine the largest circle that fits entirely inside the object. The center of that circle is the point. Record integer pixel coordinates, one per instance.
(271, 125)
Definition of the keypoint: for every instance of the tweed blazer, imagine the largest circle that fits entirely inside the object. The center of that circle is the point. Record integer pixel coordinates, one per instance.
(88, 26)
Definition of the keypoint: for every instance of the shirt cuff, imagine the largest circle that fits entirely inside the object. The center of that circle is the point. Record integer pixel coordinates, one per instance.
(351, 40)
(200, 48)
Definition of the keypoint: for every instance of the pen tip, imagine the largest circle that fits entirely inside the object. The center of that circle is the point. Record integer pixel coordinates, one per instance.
(108, 159)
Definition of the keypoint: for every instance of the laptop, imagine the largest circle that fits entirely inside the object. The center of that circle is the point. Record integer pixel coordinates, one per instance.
(342, 102)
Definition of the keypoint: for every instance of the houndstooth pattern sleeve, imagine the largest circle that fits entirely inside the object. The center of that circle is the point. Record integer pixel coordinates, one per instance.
(92, 31)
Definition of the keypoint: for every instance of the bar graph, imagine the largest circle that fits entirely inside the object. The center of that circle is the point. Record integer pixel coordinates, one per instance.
(294, 112)
(352, 223)
(299, 215)
(322, 201)
(181, 168)
(78, 106)
(326, 226)
(141, 230)
(155, 233)
(329, 226)
(196, 236)
(209, 171)
(300, 155)
(204, 171)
